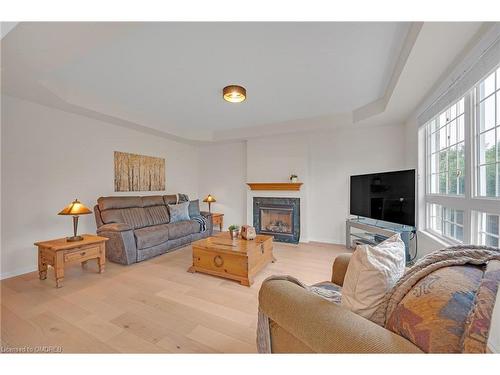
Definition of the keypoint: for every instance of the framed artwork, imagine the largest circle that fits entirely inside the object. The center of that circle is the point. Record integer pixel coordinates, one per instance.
(138, 172)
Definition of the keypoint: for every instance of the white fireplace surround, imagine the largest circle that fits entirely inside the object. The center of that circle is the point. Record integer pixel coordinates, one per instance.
(281, 194)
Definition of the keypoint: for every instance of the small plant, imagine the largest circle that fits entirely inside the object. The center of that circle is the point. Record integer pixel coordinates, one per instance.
(293, 177)
(234, 231)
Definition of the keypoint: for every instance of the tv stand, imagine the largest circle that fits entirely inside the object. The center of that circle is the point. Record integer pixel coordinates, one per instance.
(372, 232)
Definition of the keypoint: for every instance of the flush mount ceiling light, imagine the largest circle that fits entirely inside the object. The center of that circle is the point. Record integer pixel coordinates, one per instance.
(234, 93)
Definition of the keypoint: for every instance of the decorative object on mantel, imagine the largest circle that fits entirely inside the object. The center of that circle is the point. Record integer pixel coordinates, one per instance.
(294, 186)
(234, 94)
(209, 199)
(248, 232)
(75, 209)
(234, 230)
(294, 178)
(139, 172)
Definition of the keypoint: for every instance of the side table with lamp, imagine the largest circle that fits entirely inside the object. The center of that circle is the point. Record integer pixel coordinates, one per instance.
(59, 252)
(217, 218)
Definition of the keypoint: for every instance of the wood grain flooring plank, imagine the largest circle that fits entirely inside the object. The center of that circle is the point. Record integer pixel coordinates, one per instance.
(154, 306)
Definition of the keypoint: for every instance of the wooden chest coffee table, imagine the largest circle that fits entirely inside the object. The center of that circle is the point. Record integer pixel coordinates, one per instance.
(237, 259)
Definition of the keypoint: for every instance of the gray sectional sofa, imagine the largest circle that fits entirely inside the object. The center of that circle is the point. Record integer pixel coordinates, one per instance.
(139, 228)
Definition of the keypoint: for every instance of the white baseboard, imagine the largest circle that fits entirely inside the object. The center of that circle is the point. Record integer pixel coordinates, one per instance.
(17, 272)
(333, 241)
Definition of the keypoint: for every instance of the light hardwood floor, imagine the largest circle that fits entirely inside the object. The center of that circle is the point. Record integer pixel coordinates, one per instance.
(153, 306)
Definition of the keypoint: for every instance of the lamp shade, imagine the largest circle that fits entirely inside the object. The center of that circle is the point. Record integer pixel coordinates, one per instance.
(209, 199)
(75, 208)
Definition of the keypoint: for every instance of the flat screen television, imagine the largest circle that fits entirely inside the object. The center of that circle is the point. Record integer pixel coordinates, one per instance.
(388, 196)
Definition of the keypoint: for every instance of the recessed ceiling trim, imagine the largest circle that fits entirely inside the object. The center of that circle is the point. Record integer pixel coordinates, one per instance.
(379, 105)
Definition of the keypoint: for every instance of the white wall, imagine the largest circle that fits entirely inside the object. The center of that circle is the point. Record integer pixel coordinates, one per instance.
(337, 155)
(50, 157)
(222, 173)
(324, 161)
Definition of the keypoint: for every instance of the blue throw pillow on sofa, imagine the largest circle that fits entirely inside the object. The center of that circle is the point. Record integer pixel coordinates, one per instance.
(194, 208)
(179, 212)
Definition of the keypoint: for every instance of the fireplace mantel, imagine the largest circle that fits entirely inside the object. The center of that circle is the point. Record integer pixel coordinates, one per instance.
(292, 186)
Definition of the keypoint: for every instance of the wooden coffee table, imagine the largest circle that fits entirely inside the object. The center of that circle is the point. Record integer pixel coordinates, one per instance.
(237, 259)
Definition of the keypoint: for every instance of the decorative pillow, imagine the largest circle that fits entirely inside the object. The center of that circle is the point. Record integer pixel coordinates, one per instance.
(182, 198)
(371, 273)
(194, 208)
(179, 212)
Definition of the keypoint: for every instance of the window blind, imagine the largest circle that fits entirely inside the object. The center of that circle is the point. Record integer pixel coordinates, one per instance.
(476, 65)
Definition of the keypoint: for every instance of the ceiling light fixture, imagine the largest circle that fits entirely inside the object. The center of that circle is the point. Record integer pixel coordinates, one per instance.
(234, 93)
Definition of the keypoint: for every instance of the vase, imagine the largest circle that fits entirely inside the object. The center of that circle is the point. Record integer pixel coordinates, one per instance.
(234, 234)
(294, 179)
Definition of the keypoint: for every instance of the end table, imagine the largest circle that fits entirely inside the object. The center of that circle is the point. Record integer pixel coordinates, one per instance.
(218, 219)
(60, 252)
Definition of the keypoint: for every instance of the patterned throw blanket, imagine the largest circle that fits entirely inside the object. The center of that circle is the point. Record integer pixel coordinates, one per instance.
(450, 256)
(202, 221)
(456, 315)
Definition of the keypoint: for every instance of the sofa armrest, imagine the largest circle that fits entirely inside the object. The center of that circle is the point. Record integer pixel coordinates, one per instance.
(114, 227)
(324, 326)
(206, 214)
(339, 268)
(120, 247)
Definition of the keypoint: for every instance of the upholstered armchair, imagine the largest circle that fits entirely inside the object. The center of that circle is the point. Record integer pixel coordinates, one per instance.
(301, 321)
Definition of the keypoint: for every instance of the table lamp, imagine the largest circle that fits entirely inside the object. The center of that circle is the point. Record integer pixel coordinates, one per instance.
(75, 209)
(209, 199)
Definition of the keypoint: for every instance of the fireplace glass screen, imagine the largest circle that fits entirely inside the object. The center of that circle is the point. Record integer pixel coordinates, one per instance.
(278, 217)
(276, 220)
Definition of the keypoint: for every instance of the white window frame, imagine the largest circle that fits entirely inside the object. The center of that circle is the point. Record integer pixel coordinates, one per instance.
(478, 223)
(477, 133)
(470, 203)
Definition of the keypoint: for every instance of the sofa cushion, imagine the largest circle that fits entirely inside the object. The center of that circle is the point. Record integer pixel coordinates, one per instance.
(179, 212)
(151, 236)
(152, 200)
(135, 217)
(433, 314)
(194, 208)
(110, 203)
(158, 214)
(182, 228)
(170, 199)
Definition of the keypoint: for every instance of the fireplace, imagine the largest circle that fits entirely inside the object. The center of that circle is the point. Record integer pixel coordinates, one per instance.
(279, 217)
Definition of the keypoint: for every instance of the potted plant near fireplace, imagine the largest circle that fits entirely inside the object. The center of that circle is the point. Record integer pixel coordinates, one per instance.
(234, 230)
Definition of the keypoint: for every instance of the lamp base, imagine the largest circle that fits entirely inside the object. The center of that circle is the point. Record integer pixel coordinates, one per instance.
(74, 238)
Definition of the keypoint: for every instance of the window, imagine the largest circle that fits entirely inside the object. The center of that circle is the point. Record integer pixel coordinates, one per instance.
(462, 167)
(447, 222)
(446, 151)
(488, 136)
(488, 229)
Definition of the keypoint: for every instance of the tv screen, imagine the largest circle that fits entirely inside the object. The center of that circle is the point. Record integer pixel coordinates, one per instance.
(388, 196)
